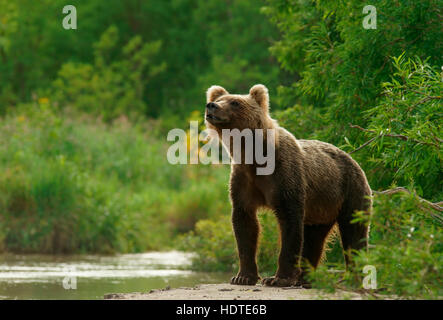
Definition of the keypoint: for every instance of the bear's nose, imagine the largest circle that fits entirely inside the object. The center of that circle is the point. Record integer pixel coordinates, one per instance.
(211, 106)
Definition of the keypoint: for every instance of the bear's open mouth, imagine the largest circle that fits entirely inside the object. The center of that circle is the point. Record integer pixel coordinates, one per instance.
(212, 118)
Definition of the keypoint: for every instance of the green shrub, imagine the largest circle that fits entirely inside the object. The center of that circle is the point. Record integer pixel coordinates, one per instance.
(214, 244)
(406, 250)
(303, 121)
(407, 127)
(73, 183)
(337, 65)
(206, 196)
(404, 147)
(115, 84)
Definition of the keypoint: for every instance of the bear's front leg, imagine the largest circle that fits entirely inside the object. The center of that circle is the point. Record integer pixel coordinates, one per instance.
(291, 228)
(246, 230)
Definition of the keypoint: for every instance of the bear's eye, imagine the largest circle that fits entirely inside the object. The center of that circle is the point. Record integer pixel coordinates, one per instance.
(235, 103)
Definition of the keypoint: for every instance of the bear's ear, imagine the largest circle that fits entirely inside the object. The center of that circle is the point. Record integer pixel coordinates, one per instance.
(260, 94)
(215, 92)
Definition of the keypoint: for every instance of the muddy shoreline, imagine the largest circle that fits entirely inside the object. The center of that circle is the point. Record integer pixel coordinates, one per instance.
(234, 292)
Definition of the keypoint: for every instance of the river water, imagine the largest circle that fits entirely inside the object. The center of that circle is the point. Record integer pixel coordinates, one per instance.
(92, 276)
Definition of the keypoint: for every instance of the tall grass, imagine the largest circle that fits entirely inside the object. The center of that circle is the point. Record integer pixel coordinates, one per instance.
(72, 183)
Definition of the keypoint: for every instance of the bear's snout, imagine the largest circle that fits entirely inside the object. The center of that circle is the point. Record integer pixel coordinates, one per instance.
(212, 106)
(213, 115)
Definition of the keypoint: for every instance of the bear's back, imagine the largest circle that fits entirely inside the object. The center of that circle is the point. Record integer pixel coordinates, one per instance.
(327, 171)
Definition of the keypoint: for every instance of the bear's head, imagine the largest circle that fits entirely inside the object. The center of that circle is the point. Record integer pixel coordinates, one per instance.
(234, 111)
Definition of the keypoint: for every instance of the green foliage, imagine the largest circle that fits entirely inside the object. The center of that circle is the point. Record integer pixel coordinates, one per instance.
(406, 250)
(305, 121)
(214, 244)
(269, 244)
(114, 85)
(200, 41)
(238, 75)
(338, 65)
(238, 36)
(72, 183)
(404, 135)
(344, 72)
(408, 122)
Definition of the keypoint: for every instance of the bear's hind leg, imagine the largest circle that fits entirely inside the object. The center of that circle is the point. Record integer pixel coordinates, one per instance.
(313, 245)
(354, 236)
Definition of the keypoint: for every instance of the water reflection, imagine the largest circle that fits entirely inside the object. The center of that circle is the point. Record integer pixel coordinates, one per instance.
(42, 276)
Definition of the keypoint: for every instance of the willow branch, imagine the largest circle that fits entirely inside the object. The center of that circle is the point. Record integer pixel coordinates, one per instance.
(392, 135)
(437, 205)
(434, 205)
(366, 143)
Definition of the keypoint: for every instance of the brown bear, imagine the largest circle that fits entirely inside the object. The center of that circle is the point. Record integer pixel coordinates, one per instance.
(314, 186)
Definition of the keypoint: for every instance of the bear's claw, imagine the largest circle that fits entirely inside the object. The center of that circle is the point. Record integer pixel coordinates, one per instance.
(279, 282)
(244, 280)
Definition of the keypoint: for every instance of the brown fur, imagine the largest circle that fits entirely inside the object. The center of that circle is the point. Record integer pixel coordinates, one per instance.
(314, 186)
